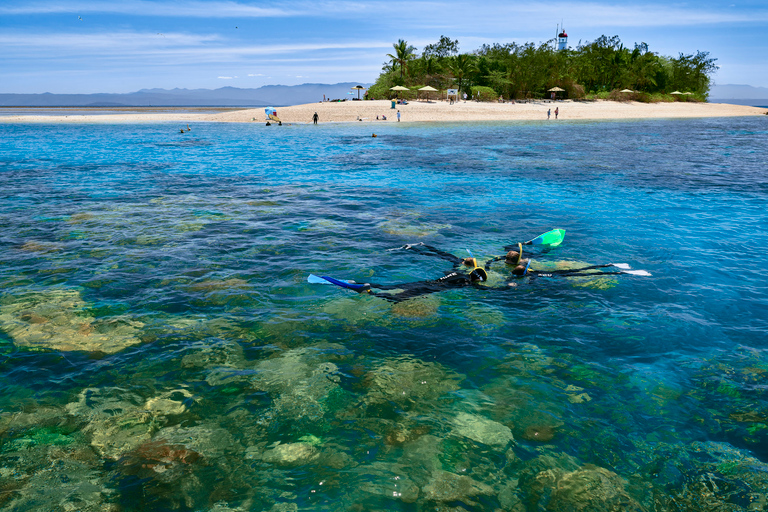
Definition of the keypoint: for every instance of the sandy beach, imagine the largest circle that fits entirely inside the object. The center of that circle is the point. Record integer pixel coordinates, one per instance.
(421, 111)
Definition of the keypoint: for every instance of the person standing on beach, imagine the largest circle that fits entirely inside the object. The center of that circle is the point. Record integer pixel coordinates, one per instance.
(398, 116)
(314, 118)
(549, 112)
(557, 111)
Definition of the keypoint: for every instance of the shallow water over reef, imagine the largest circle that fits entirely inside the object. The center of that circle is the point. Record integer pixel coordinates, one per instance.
(161, 348)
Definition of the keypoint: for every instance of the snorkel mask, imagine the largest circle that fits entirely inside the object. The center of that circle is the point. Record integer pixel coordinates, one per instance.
(478, 274)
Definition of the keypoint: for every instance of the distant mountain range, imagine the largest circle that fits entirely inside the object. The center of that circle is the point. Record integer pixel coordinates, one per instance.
(269, 95)
(276, 96)
(739, 94)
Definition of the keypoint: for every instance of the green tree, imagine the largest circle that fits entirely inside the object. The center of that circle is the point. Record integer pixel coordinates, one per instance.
(693, 72)
(527, 70)
(461, 66)
(404, 53)
(442, 49)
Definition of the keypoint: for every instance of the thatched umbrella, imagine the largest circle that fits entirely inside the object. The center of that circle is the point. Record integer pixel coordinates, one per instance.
(399, 88)
(359, 88)
(428, 89)
(555, 90)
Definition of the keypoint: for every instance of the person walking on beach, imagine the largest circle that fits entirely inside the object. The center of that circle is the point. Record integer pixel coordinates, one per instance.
(398, 116)
(557, 111)
(549, 112)
(314, 118)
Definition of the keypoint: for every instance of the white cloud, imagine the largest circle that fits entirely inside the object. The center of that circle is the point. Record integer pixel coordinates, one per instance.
(424, 15)
(194, 9)
(176, 46)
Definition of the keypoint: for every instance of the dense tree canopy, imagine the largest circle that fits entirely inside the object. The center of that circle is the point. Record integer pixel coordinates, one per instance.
(529, 71)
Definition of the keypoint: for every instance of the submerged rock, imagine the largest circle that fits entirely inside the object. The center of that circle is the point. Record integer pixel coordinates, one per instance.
(291, 454)
(418, 307)
(119, 422)
(540, 432)
(482, 430)
(41, 247)
(408, 225)
(558, 484)
(62, 485)
(384, 480)
(55, 319)
(300, 382)
(409, 380)
(210, 285)
(591, 488)
(446, 487)
(219, 353)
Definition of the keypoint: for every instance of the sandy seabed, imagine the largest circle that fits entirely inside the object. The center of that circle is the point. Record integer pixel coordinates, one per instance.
(421, 111)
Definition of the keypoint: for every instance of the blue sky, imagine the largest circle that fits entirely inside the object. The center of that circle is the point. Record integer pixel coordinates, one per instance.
(125, 45)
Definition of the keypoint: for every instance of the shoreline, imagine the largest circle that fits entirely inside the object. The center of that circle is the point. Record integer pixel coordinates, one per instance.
(414, 111)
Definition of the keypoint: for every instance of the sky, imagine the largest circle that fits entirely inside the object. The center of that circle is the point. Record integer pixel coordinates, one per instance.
(64, 46)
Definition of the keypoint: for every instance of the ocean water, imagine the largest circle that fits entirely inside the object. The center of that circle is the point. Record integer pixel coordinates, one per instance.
(161, 348)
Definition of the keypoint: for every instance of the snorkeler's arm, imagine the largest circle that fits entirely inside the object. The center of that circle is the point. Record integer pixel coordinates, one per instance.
(428, 250)
(492, 260)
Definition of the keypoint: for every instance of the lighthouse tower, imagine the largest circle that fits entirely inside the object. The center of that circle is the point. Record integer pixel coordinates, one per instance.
(562, 39)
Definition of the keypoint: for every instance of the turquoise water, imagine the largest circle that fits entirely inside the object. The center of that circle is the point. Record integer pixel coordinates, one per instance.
(161, 349)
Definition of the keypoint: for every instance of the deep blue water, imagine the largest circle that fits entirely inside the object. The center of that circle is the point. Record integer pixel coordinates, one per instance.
(186, 257)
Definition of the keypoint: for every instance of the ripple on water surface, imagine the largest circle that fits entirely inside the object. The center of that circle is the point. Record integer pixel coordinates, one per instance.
(161, 347)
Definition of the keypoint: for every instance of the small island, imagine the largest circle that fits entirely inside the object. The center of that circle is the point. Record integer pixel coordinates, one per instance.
(598, 80)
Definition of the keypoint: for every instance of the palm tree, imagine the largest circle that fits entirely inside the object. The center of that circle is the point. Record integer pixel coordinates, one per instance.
(461, 66)
(403, 53)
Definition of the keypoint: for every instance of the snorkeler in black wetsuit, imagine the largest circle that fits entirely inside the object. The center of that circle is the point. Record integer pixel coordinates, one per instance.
(457, 279)
(411, 290)
(453, 279)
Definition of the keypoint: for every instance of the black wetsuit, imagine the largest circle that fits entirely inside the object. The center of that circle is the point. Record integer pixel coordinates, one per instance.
(451, 280)
(411, 290)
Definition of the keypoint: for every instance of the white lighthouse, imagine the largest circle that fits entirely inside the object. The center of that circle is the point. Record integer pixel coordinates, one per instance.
(562, 39)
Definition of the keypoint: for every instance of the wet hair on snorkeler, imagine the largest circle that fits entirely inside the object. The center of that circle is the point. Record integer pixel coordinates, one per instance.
(478, 274)
(515, 257)
(522, 268)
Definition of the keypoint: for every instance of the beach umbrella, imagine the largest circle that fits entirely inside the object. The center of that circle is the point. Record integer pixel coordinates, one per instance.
(399, 88)
(675, 92)
(359, 88)
(428, 89)
(626, 90)
(555, 90)
(687, 93)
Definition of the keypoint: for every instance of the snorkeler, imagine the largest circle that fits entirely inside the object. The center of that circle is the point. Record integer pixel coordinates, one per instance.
(415, 289)
(453, 279)
(457, 279)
